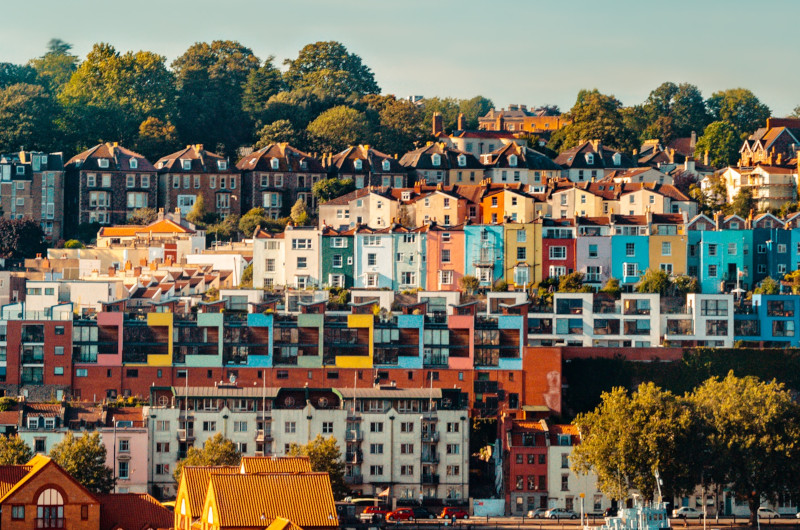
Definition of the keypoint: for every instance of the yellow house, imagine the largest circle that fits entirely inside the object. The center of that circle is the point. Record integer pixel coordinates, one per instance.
(668, 243)
(575, 200)
(523, 253)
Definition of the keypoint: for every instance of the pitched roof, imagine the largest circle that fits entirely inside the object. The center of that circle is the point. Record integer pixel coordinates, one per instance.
(306, 499)
(281, 523)
(195, 479)
(10, 475)
(575, 158)
(527, 158)
(272, 464)
(372, 161)
(422, 158)
(202, 161)
(118, 159)
(345, 199)
(133, 511)
(289, 159)
(162, 226)
(34, 466)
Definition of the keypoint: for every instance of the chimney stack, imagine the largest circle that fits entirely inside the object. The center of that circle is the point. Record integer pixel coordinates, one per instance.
(438, 127)
(462, 122)
(693, 140)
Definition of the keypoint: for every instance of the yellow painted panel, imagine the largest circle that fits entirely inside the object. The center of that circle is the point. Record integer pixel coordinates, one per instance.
(353, 361)
(161, 320)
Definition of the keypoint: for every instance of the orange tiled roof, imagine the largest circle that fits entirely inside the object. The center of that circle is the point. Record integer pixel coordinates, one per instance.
(10, 475)
(133, 511)
(196, 479)
(164, 226)
(281, 523)
(306, 499)
(268, 464)
(530, 425)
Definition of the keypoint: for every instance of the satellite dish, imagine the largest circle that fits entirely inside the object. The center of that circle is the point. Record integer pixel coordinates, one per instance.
(232, 378)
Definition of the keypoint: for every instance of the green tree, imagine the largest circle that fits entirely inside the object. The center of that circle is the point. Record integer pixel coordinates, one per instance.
(20, 238)
(469, 284)
(722, 143)
(739, 108)
(400, 126)
(142, 216)
(594, 116)
(251, 220)
(627, 438)
(654, 281)
(743, 203)
(768, 286)
(225, 229)
(672, 111)
(338, 128)
(447, 107)
(685, 284)
(74, 243)
(156, 137)
(57, 65)
(573, 283)
(612, 287)
(13, 74)
(216, 451)
(247, 278)
(325, 457)
(27, 115)
(299, 213)
(211, 81)
(751, 437)
(14, 451)
(331, 67)
(262, 83)
(331, 188)
(474, 108)
(198, 214)
(277, 132)
(84, 458)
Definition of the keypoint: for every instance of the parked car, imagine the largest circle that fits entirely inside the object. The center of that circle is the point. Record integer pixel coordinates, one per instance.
(685, 512)
(373, 514)
(409, 514)
(611, 511)
(538, 513)
(560, 513)
(768, 513)
(457, 513)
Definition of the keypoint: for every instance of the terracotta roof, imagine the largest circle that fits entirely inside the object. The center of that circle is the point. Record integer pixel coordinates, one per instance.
(248, 500)
(133, 511)
(682, 146)
(281, 523)
(629, 219)
(345, 199)
(195, 479)
(119, 159)
(593, 221)
(483, 134)
(10, 475)
(780, 170)
(269, 464)
(422, 158)
(164, 226)
(564, 428)
(289, 159)
(34, 466)
(46, 410)
(10, 416)
(532, 425)
(202, 161)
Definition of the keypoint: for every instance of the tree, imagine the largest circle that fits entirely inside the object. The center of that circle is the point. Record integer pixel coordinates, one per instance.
(329, 66)
(740, 108)
(474, 108)
(276, 132)
(674, 111)
(20, 238)
(722, 143)
(326, 189)
(469, 284)
(57, 65)
(325, 457)
(211, 81)
(768, 286)
(751, 432)
(612, 288)
(262, 83)
(447, 107)
(743, 203)
(84, 458)
(142, 216)
(573, 283)
(247, 278)
(654, 281)
(225, 229)
(198, 214)
(12, 74)
(338, 128)
(26, 116)
(74, 243)
(14, 451)
(794, 279)
(156, 137)
(252, 220)
(216, 451)
(594, 116)
(299, 213)
(684, 284)
(400, 126)
(628, 438)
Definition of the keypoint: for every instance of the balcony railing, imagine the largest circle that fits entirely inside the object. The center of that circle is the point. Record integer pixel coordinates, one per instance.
(430, 436)
(185, 435)
(353, 436)
(354, 457)
(430, 458)
(430, 478)
(354, 479)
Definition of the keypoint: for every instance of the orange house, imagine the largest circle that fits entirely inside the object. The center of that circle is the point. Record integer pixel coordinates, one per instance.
(445, 257)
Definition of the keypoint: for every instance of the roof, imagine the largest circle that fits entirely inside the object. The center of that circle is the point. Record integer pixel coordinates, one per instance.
(202, 161)
(345, 199)
(33, 467)
(527, 158)
(10, 475)
(224, 391)
(575, 158)
(133, 511)
(163, 226)
(422, 158)
(195, 479)
(281, 523)
(529, 425)
(256, 500)
(390, 392)
(344, 162)
(272, 464)
(289, 159)
(119, 159)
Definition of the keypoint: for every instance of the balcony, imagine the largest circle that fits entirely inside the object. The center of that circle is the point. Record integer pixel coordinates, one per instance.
(263, 435)
(430, 478)
(353, 415)
(680, 327)
(430, 436)
(354, 457)
(430, 458)
(185, 435)
(354, 480)
(354, 436)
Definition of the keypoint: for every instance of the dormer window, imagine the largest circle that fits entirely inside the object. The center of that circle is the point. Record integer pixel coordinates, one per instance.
(590, 158)
(358, 164)
(222, 165)
(462, 160)
(406, 195)
(20, 170)
(387, 165)
(102, 163)
(186, 164)
(617, 158)
(274, 163)
(304, 165)
(512, 160)
(134, 163)
(436, 160)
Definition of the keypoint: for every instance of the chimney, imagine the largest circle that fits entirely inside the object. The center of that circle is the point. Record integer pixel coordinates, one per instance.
(671, 155)
(112, 271)
(438, 128)
(462, 122)
(137, 271)
(780, 159)
(688, 165)
(500, 123)
(161, 214)
(693, 140)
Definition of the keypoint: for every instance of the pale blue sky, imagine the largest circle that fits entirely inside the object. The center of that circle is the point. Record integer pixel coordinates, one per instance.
(513, 51)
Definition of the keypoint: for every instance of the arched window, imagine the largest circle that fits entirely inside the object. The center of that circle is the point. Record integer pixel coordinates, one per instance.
(436, 160)
(50, 509)
(512, 160)
(357, 164)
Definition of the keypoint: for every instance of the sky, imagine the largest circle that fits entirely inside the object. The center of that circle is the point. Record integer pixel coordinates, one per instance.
(531, 52)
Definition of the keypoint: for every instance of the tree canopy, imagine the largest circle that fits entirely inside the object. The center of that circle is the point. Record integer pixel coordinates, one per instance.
(337, 128)
(329, 66)
(216, 451)
(722, 143)
(325, 457)
(14, 451)
(740, 108)
(595, 116)
(20, 238)
(84, 458)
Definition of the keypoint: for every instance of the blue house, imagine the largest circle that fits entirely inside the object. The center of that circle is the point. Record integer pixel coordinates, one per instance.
(484, 253)
(772, 243)
(718, 251)
(769, 321)
(630, 248)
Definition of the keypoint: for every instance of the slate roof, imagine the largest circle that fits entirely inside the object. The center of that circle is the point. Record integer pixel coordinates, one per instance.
(119, 159)
(289, 159)
(422, 158)
(202, 161)
(575, 158)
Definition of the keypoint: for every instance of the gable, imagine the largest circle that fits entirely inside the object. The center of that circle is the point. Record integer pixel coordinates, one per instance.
(43, 475)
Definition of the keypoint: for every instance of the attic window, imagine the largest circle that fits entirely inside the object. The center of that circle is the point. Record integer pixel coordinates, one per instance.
(436, 160)
(102, 162)
(512, 160)
(20, 170)
(617, 158)
(406, 195)
(304, 165)
(186, 164)
(387, 165)
(462, 160)
(358, 164)
(590, 158)
(134, 163)
(222, 165)
(274, 163)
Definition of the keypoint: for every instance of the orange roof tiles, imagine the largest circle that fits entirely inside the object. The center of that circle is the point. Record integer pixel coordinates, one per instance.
(164, 226)
(268, 464)
(195, 479)
(10, 475)
(133, 511)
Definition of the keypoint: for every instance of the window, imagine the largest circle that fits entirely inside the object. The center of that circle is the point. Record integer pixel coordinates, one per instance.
(631, 269)
(376, 470)
(666, 248)
(408, 278)
(162, 469)
(239, 426)
(406, 449)
(453, 449)
(270, 266)
(558, 252)
(123, 472)
(407, 426)
(564, 482)
(358, 164)
(712, 271)
(445, 255)
(712, 249)
(130, 181)
(302, 262)
(731, 249)
(630, 250)
(445, 277)
(81, 372)
(592, 251)
(210, 426)
(301, 244)
(376, 449)
(406, 470)
(162, 426)
(102, 163)
(162, 447)
(289, 427)
(223, 200)
(327, 427)
(376, 426)
(372, 259)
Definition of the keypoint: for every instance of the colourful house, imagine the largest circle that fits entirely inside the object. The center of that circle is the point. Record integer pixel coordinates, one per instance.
(558, 247)
(483, 255)
(668, 242)
(336, 258)
(630, 248)
(445, 257)
(523, 253)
